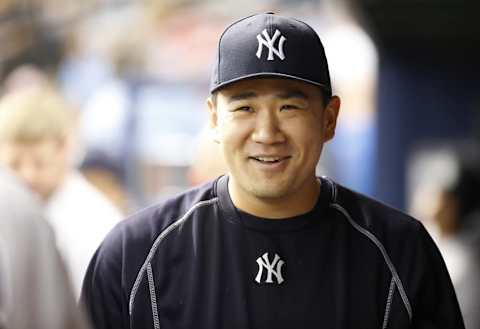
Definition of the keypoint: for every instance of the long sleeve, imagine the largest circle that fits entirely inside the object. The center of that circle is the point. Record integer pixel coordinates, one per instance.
(102, 294)
(436, 304)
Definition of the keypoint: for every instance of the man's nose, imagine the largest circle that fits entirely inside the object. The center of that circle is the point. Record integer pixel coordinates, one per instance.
(267, 129)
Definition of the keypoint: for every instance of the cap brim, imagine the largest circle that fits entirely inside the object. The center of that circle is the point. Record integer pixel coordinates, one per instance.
(266, 75)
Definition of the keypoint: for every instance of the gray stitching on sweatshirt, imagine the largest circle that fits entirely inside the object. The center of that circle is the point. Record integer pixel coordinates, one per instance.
(155, 245)
(387, 259)
(389, 303)
(153, 297)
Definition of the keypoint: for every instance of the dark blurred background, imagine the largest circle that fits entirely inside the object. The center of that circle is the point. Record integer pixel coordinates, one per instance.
(428, 83)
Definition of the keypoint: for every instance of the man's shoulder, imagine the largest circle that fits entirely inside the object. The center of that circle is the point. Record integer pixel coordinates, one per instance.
(372, 214)
(148, 223)
(401, 239)
(133, 239)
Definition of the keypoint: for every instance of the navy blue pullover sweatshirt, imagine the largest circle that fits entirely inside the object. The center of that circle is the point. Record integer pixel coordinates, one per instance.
(195, 261)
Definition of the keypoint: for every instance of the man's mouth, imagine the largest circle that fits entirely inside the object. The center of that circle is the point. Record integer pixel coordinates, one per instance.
(269, 159)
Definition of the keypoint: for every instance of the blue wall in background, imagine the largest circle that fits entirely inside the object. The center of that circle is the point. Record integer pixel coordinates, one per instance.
(423, 94)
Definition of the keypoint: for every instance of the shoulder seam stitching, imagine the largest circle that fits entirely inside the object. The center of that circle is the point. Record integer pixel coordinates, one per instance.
(156, 243)
(334, 188)
(384, 253)
(389, 303)
(153, 296)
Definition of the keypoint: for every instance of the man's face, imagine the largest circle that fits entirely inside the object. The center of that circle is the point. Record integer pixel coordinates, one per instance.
(41, 165)
(272, 133)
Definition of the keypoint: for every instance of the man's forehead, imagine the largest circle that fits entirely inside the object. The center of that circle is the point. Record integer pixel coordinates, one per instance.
(282, 88)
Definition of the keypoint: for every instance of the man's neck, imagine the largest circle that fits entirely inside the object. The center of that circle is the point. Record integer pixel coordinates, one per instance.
(287, 206)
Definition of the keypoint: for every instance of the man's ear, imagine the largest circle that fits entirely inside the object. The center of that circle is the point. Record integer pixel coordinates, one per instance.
(330, 118)
(213, 119)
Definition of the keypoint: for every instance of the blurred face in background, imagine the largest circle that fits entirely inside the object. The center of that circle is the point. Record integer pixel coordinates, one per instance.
(41, 165)
(36, 137)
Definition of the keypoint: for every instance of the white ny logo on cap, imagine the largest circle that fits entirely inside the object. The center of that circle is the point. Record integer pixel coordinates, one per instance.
(275, 268)
(269, 43)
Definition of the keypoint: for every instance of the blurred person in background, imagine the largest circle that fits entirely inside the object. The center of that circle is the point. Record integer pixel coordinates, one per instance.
(35, 291)
(208, 161)
(107, 176)
(37, 142)
(458, 218)
(24, 76)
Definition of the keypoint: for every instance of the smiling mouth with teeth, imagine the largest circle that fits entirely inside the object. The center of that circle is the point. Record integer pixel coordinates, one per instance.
(269, 159)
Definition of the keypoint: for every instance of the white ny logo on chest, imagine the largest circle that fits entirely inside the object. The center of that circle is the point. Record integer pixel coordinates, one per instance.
(273, 268)
(269, 43)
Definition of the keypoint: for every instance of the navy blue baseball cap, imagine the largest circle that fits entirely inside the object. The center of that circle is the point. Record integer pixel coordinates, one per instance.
(269, 45)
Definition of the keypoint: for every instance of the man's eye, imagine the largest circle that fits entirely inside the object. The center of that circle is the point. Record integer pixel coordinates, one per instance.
(243, 109)
(289, 107)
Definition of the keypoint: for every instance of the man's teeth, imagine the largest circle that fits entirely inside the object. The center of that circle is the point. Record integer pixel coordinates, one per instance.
(268, 159)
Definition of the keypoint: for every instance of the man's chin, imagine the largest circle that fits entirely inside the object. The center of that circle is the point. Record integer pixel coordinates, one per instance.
(268, 190)
(264, 187)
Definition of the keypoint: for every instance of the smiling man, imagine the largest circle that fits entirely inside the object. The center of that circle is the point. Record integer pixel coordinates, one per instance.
(270, 245)
(272, 132)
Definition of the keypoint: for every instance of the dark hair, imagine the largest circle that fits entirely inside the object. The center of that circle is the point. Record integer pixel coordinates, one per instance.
(214, 97)
(326, 95)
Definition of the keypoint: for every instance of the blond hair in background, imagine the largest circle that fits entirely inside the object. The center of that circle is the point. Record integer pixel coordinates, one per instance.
(29, 115)
(37, 137)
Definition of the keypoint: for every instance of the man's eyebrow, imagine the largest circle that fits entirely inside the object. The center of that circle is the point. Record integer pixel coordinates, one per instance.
(241, 96)
(283, 95)
(292, 94)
